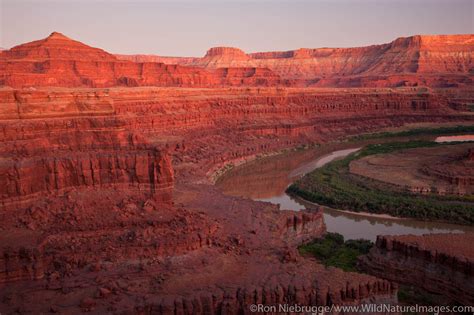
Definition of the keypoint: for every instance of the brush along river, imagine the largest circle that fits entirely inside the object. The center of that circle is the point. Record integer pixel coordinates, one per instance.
(268, 178)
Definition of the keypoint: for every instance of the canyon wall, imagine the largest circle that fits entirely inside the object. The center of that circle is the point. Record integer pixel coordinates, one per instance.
(421, 60)
(30, 177)
(105, 196)
(458, 171)
(61, 235)
(53, 140)
(203, 126)
(60, 61)
(46, 152)
(434, 61)
(438, 263)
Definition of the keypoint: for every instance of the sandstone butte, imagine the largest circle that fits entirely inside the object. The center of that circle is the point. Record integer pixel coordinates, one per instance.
(106, 195)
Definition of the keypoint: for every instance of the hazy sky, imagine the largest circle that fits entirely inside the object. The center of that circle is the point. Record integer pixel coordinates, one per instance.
(189, 28)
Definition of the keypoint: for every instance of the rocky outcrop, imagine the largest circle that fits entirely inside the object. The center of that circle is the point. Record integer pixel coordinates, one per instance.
(21, 264)
(238, 300)
(70, 73)
(421, 60)
(62, 236)
(302, 226)
(223, 57)
(248, 76)
(60, 61)
(37, 122)
(56, 46)
(457, 169)
(438, 263)
(436, 61)
(43, 175)
(189, 121)
(227, 52)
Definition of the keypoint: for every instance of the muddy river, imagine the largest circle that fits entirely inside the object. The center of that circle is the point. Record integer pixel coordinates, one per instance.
(266, 180)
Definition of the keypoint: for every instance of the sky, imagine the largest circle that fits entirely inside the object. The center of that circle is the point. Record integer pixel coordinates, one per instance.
(190, 27)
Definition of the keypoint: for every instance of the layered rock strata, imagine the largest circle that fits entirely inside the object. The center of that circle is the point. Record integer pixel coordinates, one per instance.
(87, 206)
(197, 125)
(435, 61)
(438, 263)
(60, 61)
(457, 170)
(107, 203)
(420, 60)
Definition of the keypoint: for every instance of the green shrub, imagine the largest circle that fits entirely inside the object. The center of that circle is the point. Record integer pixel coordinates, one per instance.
(332, 250)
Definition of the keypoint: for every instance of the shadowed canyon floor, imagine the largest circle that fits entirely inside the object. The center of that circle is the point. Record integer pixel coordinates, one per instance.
(106, 192)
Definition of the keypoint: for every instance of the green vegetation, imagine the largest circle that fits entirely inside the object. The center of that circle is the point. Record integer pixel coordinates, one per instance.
(418, 132)
(333, 251)
(334, 186)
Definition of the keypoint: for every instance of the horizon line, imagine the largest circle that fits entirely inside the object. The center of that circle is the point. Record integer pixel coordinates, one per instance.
(236, 47)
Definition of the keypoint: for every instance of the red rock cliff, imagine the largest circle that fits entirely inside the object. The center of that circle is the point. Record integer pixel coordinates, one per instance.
(429, 60)
(60, 61)
(438, 263)
(436, 61)
(104, 136)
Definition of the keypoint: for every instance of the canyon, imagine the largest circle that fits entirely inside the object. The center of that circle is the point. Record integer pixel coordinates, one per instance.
(107, 202)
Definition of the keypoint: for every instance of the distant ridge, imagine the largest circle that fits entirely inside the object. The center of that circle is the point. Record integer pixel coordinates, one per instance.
(420, 60)
(414, 54)
(58, 60)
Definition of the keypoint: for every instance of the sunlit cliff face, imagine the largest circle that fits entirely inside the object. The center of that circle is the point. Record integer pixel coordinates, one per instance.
(435, 61)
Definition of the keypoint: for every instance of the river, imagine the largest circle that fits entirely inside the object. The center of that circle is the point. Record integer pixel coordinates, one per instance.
(267, 179)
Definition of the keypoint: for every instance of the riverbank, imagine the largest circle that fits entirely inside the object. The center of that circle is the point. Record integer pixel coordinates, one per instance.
(266, 180)
(335, 186)
(421, 131)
